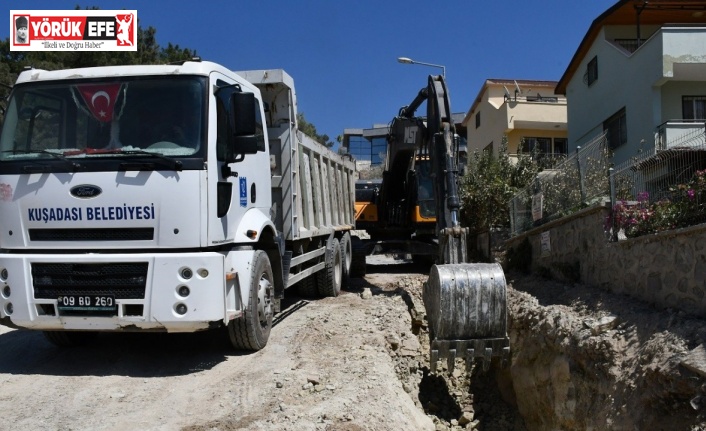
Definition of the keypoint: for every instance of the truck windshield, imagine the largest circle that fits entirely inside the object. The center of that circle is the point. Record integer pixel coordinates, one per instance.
(110, 118)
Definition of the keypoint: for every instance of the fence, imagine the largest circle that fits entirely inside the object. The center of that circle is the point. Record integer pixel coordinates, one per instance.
(663, 187)
(564, 189)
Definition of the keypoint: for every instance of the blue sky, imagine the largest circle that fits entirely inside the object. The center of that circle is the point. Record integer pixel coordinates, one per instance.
(343, 54)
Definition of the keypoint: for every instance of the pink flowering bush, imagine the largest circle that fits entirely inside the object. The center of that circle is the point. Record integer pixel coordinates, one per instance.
(685, 207)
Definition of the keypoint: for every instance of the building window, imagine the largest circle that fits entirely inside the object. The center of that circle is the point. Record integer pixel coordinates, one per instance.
(540, 145)
(561, 146)
(488, 148)
(591, 71)
(547, 151)
(616, 129)
(371, 150)
(630, 45)
(378, 150)
(477, 119)
(693, 107)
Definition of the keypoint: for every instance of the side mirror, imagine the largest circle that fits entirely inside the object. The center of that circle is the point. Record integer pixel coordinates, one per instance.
(244, 137)
(242, 108)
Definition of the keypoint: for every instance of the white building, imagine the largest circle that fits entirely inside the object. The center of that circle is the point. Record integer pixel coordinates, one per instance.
(639, 74)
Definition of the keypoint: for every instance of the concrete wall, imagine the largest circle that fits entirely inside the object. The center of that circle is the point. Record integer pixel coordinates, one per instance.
(666, 269)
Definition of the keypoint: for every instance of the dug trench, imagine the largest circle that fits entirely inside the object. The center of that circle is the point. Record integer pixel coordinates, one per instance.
(581, 359)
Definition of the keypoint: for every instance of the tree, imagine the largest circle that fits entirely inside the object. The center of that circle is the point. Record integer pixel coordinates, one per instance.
(489, 184)
(310, 130)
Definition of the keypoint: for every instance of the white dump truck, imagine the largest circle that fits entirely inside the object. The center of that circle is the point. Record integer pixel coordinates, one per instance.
(170, 198)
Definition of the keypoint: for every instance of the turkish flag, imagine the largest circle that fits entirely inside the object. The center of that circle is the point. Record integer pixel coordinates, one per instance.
(100, 99)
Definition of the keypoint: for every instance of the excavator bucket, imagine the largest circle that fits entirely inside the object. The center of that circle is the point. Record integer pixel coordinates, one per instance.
(467, 313)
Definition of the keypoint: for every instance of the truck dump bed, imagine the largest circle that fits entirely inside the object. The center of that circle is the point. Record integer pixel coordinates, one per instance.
(313, 188)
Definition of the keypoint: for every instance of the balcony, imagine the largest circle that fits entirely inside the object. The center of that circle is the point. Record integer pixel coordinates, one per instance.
(681, 49)
(680, 134)
(535, 112)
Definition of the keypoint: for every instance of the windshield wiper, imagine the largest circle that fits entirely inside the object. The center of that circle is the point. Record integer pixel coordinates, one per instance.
(74, 165)
(177, 165)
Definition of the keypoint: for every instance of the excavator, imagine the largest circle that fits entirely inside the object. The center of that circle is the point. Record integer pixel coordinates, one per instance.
(416, 211)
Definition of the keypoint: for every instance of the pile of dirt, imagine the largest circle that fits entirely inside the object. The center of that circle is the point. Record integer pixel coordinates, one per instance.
(584, 358)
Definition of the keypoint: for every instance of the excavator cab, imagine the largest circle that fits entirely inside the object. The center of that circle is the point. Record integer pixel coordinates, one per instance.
(366, 203)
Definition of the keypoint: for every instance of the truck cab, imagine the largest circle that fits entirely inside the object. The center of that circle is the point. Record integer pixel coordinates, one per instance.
(133, 198)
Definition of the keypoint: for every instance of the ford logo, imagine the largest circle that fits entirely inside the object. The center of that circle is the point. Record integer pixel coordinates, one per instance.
(85, 191)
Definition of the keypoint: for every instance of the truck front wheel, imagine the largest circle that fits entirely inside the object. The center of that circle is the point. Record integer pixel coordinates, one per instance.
(252, 330)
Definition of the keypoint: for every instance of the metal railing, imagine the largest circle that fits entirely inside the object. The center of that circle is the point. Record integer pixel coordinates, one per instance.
(575, 183)
(661, 188)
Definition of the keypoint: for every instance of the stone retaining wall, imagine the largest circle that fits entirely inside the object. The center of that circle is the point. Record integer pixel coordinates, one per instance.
(667, 269)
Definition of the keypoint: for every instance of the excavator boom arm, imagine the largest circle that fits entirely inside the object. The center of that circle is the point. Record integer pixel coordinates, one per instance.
(466, 302)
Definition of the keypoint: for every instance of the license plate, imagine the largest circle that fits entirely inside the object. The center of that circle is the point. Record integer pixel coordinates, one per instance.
(87, 303)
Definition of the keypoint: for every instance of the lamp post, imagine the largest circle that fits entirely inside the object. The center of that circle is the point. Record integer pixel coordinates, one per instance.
(406, 60)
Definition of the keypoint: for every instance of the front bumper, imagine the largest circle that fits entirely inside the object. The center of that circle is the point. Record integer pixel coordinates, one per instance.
(156, 298)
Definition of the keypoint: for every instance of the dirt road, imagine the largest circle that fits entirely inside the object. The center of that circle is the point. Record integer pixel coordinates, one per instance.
(581, 359)
(327, 366)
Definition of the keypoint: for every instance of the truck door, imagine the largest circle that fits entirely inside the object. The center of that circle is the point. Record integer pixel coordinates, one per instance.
(239, 186)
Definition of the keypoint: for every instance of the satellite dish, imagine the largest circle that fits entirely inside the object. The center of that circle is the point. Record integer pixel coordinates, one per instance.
(517, 88)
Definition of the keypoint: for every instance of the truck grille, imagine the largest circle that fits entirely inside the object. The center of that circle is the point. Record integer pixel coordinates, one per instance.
(125, 280)
(133, 234)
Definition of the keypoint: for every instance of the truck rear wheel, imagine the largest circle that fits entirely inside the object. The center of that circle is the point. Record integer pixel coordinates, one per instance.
(307, 287)
(252, 330)
(358, 267)
(329, 279)
(69, 338)
(347, 256)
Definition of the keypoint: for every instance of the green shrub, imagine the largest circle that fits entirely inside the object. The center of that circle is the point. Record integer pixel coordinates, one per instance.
(489, 184)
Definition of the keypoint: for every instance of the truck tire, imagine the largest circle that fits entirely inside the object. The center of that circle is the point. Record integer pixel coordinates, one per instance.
(347, 256)
(252, 330)
(358, 268)
(329, 279)
(69, 338)
(307, 287)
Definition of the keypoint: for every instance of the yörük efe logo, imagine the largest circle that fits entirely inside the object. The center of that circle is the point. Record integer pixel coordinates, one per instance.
(73, 30)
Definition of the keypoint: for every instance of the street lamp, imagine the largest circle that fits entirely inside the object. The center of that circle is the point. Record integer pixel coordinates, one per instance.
(406, 60)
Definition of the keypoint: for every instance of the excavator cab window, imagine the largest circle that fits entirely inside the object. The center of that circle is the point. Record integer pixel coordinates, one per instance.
(425, 189)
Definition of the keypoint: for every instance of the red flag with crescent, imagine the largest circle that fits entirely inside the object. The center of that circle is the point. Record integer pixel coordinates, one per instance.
(100, 99)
